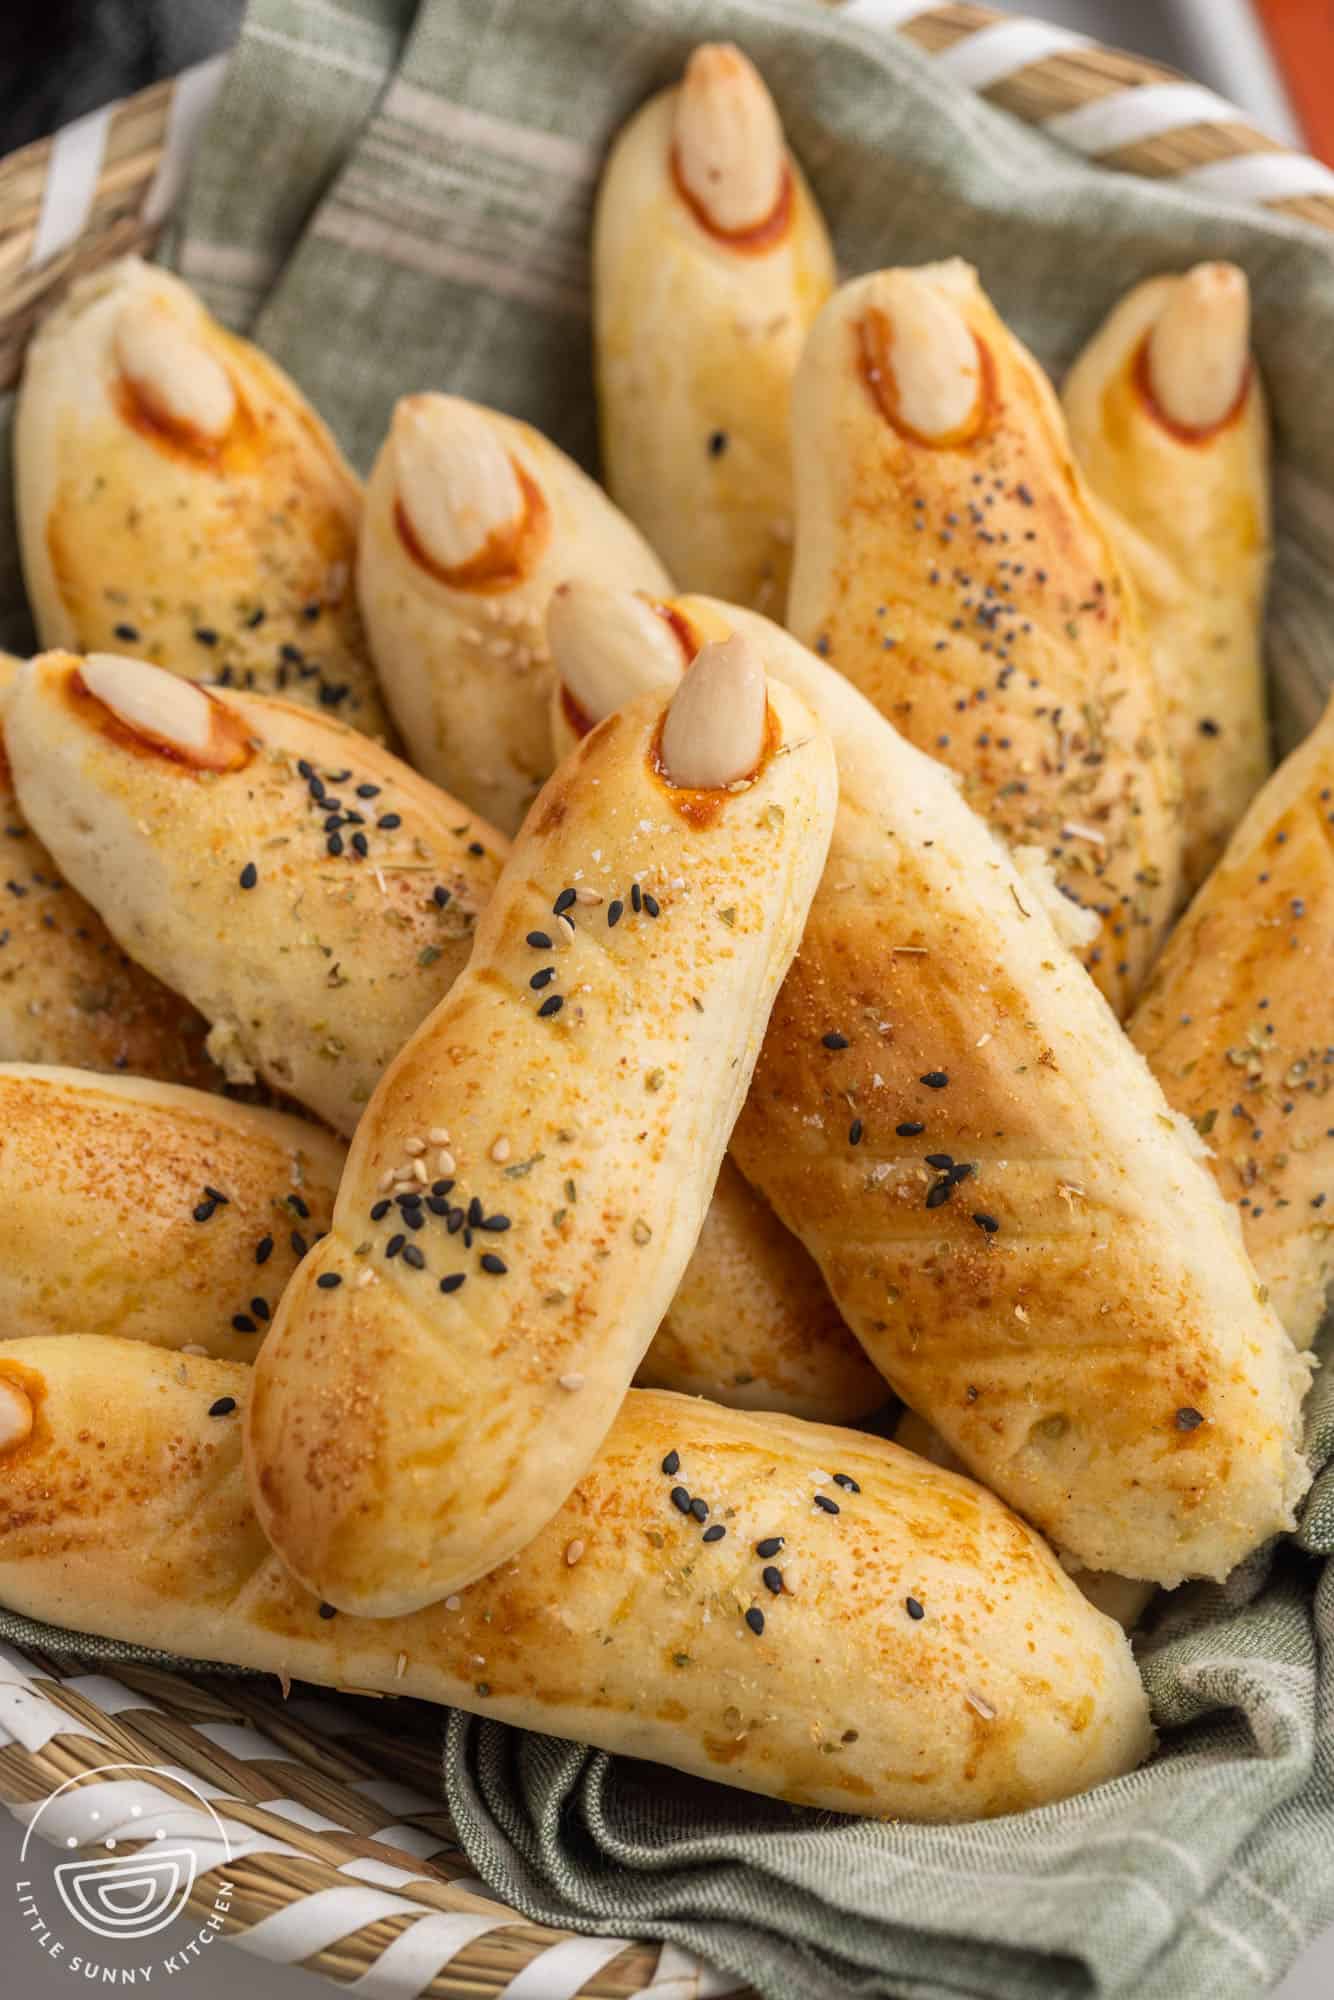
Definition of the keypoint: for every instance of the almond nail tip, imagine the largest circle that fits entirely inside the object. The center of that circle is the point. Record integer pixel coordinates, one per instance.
(148, 699)
(1199, 346)
(457, 484)
(713, 731)
(729, 147)
(608, 646)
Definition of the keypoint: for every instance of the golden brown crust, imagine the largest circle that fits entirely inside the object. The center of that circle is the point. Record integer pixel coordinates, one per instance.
(404, 1440)
(1192, 511)
(213, 878)
(752, 1325)
(152, 1212)
(125, 1513)
(972, 593)
(231, 557)
(1038, 1263)
(1235, 1026)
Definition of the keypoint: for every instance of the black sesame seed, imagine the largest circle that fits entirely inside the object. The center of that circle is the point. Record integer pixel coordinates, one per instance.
(909, 1129)
(914, 1608)
(328, 1611)
(855, 1132)
(474, 1212)
(700, 1509)
(440, 895)
(302, 1208)
(542, 978)
(1208, 727)
(243, 1323)
(249, 875)
(563, 902)
(299, 1243)
(960, 1172)
(256, 618)
(292, 654)
(551, 1005)
(206, 635)
(650, 904)
(334, 844)
(329, 1281)
(755, 1620)
(368, 791)
(496, 1266)
(987, 1222)
(847, 1482)
(935, 1079)
(437, 1204)
(380, 1210)
(680, 1499)
(769, 1546)
(264, 1250)
(833, 1040)
(944, 1161)
(825, 1504)
(495, 1223)
(130, 632)
(260, 1308)
(539, 940)
(636, 898)
(394, 1245)
(476, 847)
(772, 1579)
(413, 1256)
(615, 911)
(452, 1282)
(1189, 1420)
(717, 443)
(455, 1222)
(441, 1187)
(715, 1533)
(671, 1465)
(938, 1194)
(360, 845)
(223, 1407)
(388, 821)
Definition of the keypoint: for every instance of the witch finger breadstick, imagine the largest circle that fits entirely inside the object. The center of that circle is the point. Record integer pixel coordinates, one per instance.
(952, 564)
(710, 260)
(68, 993)
(1236, 1025)
(471, 518)
(1007, 1214)
(446, 1362)
(828, 1620)
(220, 834)
(150, 1211)
(178, 499)
(1167, 418)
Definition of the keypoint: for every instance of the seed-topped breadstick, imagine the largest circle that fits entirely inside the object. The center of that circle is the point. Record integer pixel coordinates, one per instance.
(179, 499)
(952, 564)
(791, 1609)
(68, 993)
(471, 519)
(1235, 1023)
(710, 260)
(1006, 1211)
(588, 1066)
(220, 836)
(148, 1210)
(1167, 418)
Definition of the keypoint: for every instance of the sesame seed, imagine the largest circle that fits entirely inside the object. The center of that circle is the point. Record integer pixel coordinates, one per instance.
(551, 1005)
(755, 1619)
(715, 1533)
(539, 941)
(700, 1509)
(394, 1245)
(855, 1132)
(846, 1481)
(583, 894)
(940, 1160)
(260, 1308)
(223, 1407)
(204, 1211)
(380, 1209)
(825, 1504)
(243, 1323)
(615, 911)
(388, 821)
(650, 904)
(772, 1579)
(833, 1040)
(413, 1256)
(452, 1282)
(987, 1222)
(438, 1136)
(939, 1194)
(368, 791)
(717, 443)
(1189, 1420)
(573, 1551)
(293, 1201)
(935, 1079)
(129, 632)
(909, 1129)
(572, 1383)
(496, 1266)
(264, 1250)
(914, 1609)
(500, 1151)
(249, 875)
(671, 1465)
(329, 1281)
(562, 903)
(680, 1499)
(328, 1611)
(769, 1546)
(205, 635)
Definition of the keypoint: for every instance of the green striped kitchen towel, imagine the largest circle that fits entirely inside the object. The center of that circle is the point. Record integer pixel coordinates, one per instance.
(395, 197)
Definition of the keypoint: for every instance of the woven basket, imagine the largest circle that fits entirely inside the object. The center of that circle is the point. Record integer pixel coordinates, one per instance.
(341, 1857)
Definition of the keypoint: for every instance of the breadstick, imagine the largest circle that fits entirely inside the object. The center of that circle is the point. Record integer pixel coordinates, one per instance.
(68, 993)
(151, 1211)
(1235, 1024)
(1003, 1207)
(1167, 418)
(178, 499)
(428, 1398)
(837, 1623)
(710, 261)
(471, 519)
(219, 836)
(952, 564)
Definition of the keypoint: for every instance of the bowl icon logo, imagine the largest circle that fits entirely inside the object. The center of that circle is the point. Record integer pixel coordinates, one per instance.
(127, 1895)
